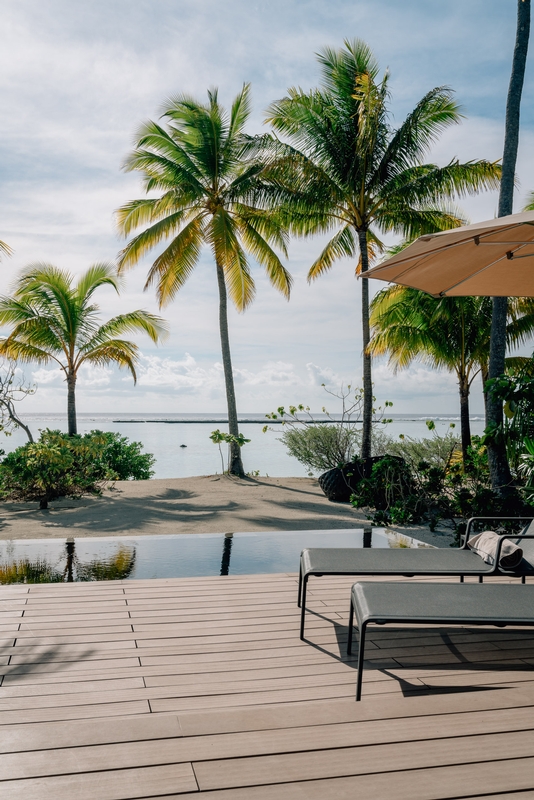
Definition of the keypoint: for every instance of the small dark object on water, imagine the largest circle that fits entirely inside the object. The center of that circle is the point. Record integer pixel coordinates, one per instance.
(183, 445)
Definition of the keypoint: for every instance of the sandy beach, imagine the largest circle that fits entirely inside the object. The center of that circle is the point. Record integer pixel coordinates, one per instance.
(206, 504)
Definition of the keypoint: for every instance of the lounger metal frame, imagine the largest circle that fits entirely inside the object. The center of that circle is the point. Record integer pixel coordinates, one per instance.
(468, 616)
(485, 569)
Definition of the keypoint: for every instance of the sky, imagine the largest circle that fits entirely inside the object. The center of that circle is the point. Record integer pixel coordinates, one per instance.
(76, 81)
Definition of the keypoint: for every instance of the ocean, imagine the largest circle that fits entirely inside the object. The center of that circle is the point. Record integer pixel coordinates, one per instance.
(164, 435)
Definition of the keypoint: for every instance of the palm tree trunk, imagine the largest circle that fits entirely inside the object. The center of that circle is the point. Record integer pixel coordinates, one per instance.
(71, 403)
(465, 424)
(484, 375)
(498, 462)
(235, 464)
(367, 416)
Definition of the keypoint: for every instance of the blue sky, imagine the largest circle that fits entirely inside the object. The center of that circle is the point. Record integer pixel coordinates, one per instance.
(77, 79)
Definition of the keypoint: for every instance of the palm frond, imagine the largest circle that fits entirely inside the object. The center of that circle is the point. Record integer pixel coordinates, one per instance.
(342, 244)
(115, 351)
(5, 249)
(148, 239)
(258, 247)
(175, 264)
(228, 253)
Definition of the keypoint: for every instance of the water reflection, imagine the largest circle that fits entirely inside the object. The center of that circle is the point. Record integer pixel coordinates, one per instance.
(227, 552)
(69, 568)
(176, 555)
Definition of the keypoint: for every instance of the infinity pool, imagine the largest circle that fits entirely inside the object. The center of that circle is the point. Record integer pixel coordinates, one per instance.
(180, 556)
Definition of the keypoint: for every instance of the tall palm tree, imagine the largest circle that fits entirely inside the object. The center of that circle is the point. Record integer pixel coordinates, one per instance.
(54, 321)
(208, 175)
(347, 170)
(501, 478)
(451, 333)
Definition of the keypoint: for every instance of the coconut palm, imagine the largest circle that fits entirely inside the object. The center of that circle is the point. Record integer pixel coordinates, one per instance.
(208, 176)
(501, 477)
(54, 321)
(347, 170)
(451, 333)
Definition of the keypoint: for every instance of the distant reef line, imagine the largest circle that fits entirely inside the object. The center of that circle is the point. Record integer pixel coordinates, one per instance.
(213, 421)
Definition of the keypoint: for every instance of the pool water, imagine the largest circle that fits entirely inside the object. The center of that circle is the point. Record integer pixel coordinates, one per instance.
(179, 556)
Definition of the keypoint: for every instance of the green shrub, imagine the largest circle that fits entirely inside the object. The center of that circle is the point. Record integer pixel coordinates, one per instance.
(59, 465)
(124, 458)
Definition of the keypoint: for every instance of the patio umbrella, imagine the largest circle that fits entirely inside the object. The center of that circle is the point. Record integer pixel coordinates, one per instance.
(493, 258)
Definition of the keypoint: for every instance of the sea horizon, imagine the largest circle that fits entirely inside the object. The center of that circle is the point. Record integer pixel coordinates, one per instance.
(182, 448)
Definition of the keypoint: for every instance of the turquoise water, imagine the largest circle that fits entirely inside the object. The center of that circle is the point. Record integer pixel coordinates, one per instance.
(164, 435)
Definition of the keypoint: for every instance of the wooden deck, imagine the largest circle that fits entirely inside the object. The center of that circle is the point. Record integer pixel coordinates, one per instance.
(175, 688)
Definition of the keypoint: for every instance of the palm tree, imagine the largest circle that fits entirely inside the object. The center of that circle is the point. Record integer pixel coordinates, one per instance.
(451, 333)
(501, 478)
(208, 174)
(346, 170)
(54, 321)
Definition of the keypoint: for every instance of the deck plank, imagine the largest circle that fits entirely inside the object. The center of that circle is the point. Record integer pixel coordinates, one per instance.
(149, 689)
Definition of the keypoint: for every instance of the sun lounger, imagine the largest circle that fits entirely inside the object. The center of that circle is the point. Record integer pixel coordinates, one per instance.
(436, 604)
(411, 562)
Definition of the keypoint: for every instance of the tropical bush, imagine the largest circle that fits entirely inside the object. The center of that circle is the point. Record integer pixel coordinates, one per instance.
(124, 458)
(59, 465)
(328, 442)
(408, 490)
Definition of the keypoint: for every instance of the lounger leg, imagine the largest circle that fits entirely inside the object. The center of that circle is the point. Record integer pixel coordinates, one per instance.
(461, 578)
(523, 578)
(481, 579)
(303, 605)
(300, 585)
(360, 663)
(351, 624)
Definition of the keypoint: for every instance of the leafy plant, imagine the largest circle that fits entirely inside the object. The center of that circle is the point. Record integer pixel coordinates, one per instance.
(517, 395)
(124, 458)
(217, 437)
(59, 465)
(55, 466)
(321, 444)
(391, 490)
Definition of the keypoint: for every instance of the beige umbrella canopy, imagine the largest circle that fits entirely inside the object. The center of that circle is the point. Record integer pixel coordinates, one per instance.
(492, 258)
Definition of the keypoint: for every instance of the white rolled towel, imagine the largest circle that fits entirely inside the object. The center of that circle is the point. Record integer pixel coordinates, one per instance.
(485, 545)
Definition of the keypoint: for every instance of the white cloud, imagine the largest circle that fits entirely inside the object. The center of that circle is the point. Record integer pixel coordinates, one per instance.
(44, 376)
(77, 79)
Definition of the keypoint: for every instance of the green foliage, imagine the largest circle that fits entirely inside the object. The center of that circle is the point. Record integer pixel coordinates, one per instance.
(438, 486)
(321, 444)
(59, 465)
(321, 447)
(526, 467)
(436, 450)
(391, 491)
(218, 437)
(55, 466)
(124, 458)
(54, 321)
(517, 395)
